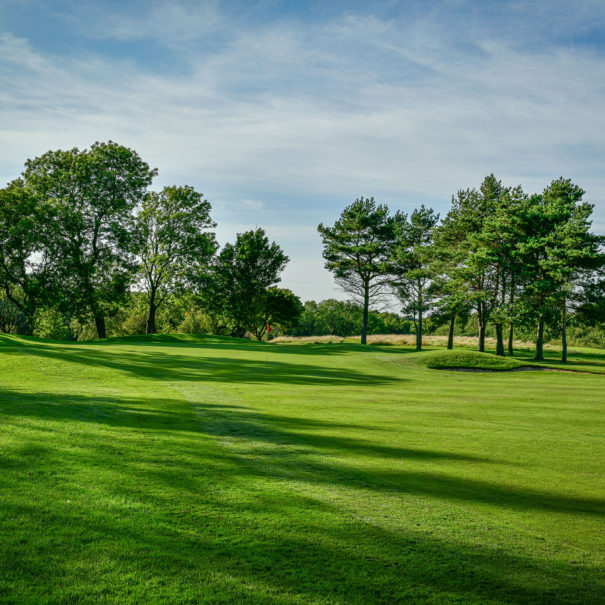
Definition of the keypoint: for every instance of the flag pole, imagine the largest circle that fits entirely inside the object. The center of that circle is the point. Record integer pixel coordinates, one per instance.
(267, 349)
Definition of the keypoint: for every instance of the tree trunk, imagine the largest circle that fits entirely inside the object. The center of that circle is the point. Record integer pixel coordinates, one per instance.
(450, 336)
(499, 340)
(481, 322)
(510, 339)
(29, 324)
(151, 327)
(540, 342)
(511, 330)
(564, 332)
(366, 305)
(481, 338)
(419, 332)
(100, 324)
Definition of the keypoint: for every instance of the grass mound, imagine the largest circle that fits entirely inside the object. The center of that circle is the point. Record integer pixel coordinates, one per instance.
(471, 360)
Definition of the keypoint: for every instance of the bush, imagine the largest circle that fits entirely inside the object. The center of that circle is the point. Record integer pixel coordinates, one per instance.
(49, 323)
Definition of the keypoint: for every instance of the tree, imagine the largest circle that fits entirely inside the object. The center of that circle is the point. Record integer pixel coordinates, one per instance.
(27, 266)
(471, 235)
(357, 250)
(412, 264)
(556, 249)
(280, 308)
(240, 276)
(495, 257)
(175, 245)
(590, 300)
(91, 195)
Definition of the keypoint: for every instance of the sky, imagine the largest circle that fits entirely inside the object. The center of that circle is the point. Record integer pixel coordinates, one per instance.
(284, 112)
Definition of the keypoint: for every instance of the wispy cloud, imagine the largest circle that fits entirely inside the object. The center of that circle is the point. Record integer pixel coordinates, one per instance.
(308, 116)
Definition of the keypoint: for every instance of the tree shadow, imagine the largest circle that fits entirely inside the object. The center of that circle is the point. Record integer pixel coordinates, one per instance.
(189, 507)
(169, 365)
(289, 448)
(290, 548)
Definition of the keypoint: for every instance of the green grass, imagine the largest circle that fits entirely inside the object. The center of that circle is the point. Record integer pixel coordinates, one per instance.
(461, 359)
(180, 469)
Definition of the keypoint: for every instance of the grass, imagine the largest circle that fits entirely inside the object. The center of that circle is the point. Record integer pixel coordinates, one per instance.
(187, 469)
(457, 359)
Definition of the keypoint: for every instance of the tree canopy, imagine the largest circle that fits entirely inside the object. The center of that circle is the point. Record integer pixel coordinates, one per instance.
(175, 244)
(357, 249)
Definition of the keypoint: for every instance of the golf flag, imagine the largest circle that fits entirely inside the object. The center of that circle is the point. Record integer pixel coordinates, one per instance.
(268, 329)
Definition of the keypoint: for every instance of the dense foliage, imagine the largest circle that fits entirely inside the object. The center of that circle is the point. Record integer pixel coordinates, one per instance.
(510, 259)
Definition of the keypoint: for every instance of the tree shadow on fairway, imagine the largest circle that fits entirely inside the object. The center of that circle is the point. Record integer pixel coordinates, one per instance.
(283, 548)
(291, 449)
(206, 502)
(168, 365)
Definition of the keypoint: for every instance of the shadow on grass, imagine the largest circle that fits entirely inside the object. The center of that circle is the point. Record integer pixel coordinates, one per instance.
(310, 551)
(225, 543)
(290, 449)
(172, 514)
(167, 365)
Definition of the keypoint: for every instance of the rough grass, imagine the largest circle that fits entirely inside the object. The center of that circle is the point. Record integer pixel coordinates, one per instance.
(397, 339)
(194, 470)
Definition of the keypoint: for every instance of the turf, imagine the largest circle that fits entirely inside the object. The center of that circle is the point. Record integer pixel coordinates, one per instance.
(192, 470)
(470, 360)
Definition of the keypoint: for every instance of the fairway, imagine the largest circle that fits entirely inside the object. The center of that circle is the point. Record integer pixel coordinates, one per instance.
(182, 469)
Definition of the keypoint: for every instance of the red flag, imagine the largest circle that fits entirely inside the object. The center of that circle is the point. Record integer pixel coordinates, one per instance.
(268, 329)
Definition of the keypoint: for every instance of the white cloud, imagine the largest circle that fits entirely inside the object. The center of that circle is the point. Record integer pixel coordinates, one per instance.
(253, 204)
(323, 112)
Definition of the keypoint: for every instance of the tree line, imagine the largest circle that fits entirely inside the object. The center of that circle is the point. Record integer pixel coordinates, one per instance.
(81, 235)
(510, 259)
(83, 239)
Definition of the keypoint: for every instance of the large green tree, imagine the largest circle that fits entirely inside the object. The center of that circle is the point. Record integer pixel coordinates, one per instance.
(494, 257)
(412, 264)
(357, 249)
(175, 244)
(476, 239)
(91, 195)
(557, 248)
(240, 277)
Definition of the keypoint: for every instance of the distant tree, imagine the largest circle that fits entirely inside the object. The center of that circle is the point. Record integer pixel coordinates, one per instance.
(91, 195)
(342, 318)
(357, 249)
(412, 264)
(471, 236)
(495, 257)
(175, 244)
(240, 277)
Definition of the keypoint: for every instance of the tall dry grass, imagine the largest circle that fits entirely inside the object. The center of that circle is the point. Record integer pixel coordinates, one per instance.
(328, 339)
(393, 339)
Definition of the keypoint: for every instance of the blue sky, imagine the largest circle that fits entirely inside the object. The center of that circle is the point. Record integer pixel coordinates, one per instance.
(282, 113)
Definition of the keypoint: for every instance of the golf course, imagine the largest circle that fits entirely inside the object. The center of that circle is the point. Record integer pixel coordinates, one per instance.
(205, 469)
